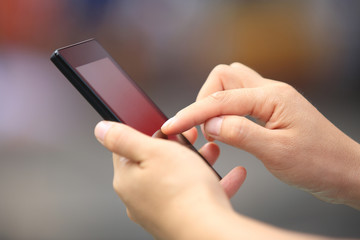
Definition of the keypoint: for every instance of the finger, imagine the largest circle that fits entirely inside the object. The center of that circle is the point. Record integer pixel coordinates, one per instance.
(239, 132)
(210, 151)
(233, 181)
(225, 77)
(124, 140)
(247, 101)
(249, 73)
(191, 135)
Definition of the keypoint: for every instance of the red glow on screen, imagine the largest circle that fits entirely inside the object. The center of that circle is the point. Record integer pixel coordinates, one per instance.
(124, 98)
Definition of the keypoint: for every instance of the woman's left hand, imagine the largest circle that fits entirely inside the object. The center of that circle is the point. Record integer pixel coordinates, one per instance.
(162, 183)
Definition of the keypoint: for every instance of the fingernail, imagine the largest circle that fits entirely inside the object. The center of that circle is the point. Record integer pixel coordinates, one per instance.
(168, 123)
(213, 126)
(101, 129)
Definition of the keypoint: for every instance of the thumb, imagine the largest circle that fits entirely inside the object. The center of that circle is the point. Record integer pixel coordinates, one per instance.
(239, 132)
(124, 140)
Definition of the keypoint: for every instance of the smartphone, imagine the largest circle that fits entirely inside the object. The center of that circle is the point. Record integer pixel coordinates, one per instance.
(103, 83)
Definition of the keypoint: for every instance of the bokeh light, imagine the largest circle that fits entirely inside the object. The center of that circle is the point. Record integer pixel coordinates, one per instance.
(56, 180)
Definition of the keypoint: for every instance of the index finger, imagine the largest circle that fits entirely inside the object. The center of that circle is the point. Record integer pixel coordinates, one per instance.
(242, 102)
(226, 77)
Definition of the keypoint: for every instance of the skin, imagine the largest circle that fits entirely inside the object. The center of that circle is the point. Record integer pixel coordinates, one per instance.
(294, 140)
(173, 194)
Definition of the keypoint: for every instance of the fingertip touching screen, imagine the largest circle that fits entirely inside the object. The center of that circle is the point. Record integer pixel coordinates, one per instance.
(110, 90)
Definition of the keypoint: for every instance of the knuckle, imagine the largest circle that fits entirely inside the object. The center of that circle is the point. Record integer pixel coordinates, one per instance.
(220, 98)
(285, 89)
(244, 68)
(221, 68)
(221, 71)
(286, 97)
(236, 64)
(236, 133)
(112, 138)
(279, 93)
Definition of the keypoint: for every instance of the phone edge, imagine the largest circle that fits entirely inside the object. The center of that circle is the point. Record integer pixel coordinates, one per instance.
(76, 81)
(97, 103)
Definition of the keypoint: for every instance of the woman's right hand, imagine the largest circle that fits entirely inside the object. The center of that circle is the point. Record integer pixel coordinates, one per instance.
(293, 139)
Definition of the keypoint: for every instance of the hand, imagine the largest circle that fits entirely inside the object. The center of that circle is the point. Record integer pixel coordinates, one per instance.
(233, 180)
(172, 193)
(164, 185)
(292, 138)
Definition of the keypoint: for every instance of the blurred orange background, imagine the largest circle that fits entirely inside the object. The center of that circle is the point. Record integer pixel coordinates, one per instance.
(56, 181)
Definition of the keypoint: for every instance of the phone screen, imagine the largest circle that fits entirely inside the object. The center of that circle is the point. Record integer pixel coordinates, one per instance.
(122, 96)
(110, 90)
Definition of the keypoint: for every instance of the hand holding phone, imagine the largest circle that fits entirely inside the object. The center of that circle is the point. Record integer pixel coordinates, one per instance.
(96, 75)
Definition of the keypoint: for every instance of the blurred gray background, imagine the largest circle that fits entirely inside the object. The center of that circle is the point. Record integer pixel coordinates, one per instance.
(56, 180)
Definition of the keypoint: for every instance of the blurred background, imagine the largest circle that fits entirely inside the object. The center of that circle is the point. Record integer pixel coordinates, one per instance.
(56, 180)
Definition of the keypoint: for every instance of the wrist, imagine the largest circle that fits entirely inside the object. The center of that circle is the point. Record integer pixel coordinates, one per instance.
(195, 214)
(227, 224)
(350, 190)
(336, 167)
(208, 216)
(211, 224)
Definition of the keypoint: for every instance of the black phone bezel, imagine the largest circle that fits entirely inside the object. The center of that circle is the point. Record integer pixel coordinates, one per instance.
(84, 52)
